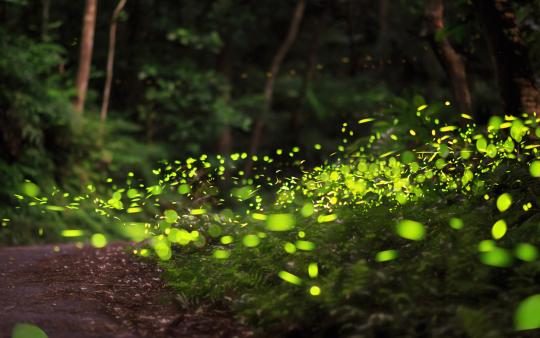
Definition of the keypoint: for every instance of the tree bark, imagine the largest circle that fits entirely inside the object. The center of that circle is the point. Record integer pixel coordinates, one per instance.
(225, 142)
(110, 59)
(297, 118)
(353, 62)
(45, 15)
(510, 56)
(85, 57)
(269, 87)
(450, 60)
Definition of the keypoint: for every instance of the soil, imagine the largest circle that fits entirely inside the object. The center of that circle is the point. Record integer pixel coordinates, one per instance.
(88, 292)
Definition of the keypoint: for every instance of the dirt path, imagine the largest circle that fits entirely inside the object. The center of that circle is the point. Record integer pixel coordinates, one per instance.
(89, 292)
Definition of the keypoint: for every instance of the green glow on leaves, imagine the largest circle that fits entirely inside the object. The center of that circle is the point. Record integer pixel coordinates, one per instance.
(527, 313)
(504, 202)
(407, 157)
(170, 216)
(98, 240)
(197, 211)
(280, 222)
(481, 145)
(289, 277)
(498, 230)
(214, 230)
(251, 241)
(385, 256)
(410, 230)
(526, 252)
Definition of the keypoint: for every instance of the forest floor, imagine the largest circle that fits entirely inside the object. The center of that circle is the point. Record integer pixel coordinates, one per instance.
(88, 292)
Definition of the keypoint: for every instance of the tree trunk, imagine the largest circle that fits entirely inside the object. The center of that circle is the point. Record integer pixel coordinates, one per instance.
(297, 118)
(45, 14)
(510, 56)
(353, 62)
(110, 60)
(269, 87)
(225, 142)
(450, 60)
(85, 57)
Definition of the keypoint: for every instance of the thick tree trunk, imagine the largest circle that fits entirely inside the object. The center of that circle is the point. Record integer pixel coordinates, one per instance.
(110, 60)
(450, 60)
(269, 87)
(514, 74)
(85, 57)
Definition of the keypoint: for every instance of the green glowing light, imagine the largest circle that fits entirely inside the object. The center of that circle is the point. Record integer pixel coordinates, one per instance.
(307, 210)
(496, 257)
(98, 240)
(326, 218)
(456, 223)
(54, 208)
(498, 230)
(289, 248)
(280, 222)
(170, 216)
(221, 254)
(527, 313)
(30, 189)
(315, 290)
(305, 245)
(258, 217)
(534, 169)
(290, 278)
(410, 230)
(72, 233)
(313, 270)
(385, 256)
(504, 202)
(251, 241)
(226, 240)
(197, 211)
(526, 252)
(184, 189)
